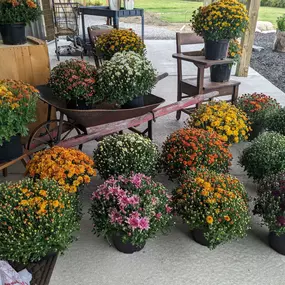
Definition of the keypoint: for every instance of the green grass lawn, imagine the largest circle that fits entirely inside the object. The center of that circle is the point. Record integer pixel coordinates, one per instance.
(180, 11)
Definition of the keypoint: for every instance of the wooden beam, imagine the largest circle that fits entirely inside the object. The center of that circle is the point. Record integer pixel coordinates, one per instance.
(248, 38)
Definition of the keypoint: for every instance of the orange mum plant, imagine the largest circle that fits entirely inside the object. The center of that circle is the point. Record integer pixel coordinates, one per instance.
(189, 148)
(70, 167)
(215, 204)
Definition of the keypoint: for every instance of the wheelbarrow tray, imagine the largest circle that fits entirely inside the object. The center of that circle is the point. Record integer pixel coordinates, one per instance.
(95, 117)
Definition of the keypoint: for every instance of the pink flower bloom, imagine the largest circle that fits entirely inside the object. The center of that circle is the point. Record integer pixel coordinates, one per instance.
(147, 192)
(158, 215)
(154, 200)
(124, 201)
(133, 222)
(136, 180)
(144, 224)
(168, 209)
(115, 217)
(95, 195)
(135, 215)
(134, 200)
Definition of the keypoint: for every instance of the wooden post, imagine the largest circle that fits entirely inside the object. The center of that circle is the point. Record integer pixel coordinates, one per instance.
(207, 2)
(248, 38)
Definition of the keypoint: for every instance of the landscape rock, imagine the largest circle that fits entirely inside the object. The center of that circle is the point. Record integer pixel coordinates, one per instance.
(262, 26)
(279, 43)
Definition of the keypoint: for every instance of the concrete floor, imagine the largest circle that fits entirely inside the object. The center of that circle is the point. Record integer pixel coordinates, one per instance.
(174, 258)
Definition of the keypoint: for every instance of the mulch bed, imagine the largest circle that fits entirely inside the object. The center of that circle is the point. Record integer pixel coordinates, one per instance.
(268, 63)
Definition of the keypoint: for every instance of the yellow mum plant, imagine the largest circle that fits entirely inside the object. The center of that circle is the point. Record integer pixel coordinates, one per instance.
(214, 205)
(119, 41)
(226, 119)
(70, 167)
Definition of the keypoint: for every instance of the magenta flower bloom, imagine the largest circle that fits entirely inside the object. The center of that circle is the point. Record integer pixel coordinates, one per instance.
(168, 209)
(115, 217)
(281, 220)
(133, 222)
(144, 224)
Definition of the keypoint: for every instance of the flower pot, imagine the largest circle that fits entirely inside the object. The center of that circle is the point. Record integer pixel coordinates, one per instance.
(125, 247)
(78, 105)
(13, 34)
(41, 271)
(216, 50)
(115, 4)
(11, 149)
(256, 131)
(277, 242)
(199, 237)
(129, 4)
(135, 103)
(221, 73)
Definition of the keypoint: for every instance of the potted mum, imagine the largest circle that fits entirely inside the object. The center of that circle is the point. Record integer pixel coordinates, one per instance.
(37, 222)
(270, 206)
(259, 108)
(213, 205)
(264, 156)
(225, 119)
(74, 80)
(130, 210)
(124, 154)
(118, 41)
(276, 121)
(125, 79)
(14, 15)
(218, 23)
(222, 72)
(71, 168)
(18, 102)
(188, 148)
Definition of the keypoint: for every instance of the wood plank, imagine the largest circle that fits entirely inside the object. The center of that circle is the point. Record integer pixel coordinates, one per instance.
(201, 60)
(248, 38)
(208, 84)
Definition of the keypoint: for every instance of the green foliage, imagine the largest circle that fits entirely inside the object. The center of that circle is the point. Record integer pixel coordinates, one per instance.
(124, 154)
(125, 76)
(270, 203)
(19, 11)
(264, 156)
(134, 207)
(273, 3)
(214, 203)
(37, 218)
(276, 121)
(17, 108)
(281, 23)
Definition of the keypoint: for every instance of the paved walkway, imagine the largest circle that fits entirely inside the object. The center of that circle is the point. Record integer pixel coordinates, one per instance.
(173, 259)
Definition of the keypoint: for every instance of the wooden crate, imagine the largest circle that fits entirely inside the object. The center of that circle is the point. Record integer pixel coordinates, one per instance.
(30, 63)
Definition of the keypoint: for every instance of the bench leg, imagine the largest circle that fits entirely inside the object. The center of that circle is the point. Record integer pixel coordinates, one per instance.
(5, 172)
(235, 94)
(179, 98)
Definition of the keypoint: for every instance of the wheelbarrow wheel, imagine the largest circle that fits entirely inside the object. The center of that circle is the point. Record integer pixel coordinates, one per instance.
(48, 134)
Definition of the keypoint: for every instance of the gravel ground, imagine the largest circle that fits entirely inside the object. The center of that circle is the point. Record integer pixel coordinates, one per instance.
(268, 63)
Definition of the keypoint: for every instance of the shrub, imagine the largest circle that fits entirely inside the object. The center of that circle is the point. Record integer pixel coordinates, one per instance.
(264, 156)
(226, 119)
(75, 80)
(70, 167)
(124, 154)
(187, 149)
(270, 203)
(18, 103)
(126, 76)
(281, 23)
(258, 107)
(119, 41)
(214, 203)
(224, 19)
(19, 11)
(37, 218)
(276, 121)
(134, 206)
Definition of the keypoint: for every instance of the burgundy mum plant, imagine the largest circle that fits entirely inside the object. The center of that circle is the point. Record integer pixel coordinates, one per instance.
(135, 207)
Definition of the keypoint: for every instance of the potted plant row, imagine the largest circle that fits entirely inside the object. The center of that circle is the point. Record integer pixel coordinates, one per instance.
(14, 15)
(218, 23)
(18, 102)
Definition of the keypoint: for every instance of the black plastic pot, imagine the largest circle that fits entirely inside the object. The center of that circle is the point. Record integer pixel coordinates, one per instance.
(41, 271)
(11, 150)
(125, 247)
(277, 242)
(78, 105)
(199, 237)
(256, 131)
(135, 103)
(13, 34)
(216, 50)
(221, 73)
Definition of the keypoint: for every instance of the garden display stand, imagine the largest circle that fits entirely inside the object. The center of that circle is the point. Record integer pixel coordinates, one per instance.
(199, 85)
